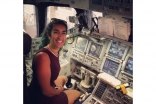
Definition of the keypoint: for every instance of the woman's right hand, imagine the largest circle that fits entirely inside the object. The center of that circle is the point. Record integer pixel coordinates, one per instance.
(60, 89)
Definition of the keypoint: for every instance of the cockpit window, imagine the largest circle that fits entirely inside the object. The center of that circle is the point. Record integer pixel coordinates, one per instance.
(29, 20)
(61, 13)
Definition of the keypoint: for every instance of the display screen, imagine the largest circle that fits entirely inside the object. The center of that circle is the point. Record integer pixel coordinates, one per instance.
(117, 50)
(81, 44)
(129, 66)
(110, 67)
(95, 50)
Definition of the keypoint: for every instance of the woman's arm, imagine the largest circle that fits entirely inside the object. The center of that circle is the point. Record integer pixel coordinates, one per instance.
(42, 63)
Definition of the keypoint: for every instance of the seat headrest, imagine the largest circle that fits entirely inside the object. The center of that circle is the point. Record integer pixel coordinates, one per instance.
(27, 41)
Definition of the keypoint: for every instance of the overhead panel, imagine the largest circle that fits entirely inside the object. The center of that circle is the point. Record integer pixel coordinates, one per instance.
(55, 1)
(96, 5)
(112, 7)
(81, 4)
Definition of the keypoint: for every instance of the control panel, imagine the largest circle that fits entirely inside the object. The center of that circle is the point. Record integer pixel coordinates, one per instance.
(87, 78)
(79, 48)
(28, 56)
(95, 53)
(117, 50)
(79, 72)
(105, 93)
(126, 74)
(85, 31)
(96, 35)
(111, 96)
(93, 62)
(113, 60)
(34, 48)
(77, 55)
(123, 77)
(35, 45)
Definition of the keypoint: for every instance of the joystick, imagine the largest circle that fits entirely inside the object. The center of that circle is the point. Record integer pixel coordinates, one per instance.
(69, 84)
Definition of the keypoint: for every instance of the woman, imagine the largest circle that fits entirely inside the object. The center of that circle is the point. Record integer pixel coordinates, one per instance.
(47, 86)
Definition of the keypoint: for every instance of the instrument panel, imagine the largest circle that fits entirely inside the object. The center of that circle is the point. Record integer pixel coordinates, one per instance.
(104, 93)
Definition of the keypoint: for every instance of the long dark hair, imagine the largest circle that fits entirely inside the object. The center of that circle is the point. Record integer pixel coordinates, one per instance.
(48, 29)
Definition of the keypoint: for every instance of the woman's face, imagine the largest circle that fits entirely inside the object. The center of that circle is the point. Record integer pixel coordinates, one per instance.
(58, 36)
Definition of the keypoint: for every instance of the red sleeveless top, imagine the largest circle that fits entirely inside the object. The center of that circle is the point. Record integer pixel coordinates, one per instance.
(35, 93)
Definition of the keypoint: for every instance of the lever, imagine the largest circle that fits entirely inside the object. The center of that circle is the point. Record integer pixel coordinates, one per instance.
(69, 84)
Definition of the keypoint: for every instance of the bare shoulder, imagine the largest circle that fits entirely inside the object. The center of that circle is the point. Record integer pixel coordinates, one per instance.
(42, 57)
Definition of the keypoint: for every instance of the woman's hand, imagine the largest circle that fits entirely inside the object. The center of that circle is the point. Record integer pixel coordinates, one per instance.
(59, 88)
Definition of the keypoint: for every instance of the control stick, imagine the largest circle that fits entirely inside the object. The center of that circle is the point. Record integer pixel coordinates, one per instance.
(69, 84)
